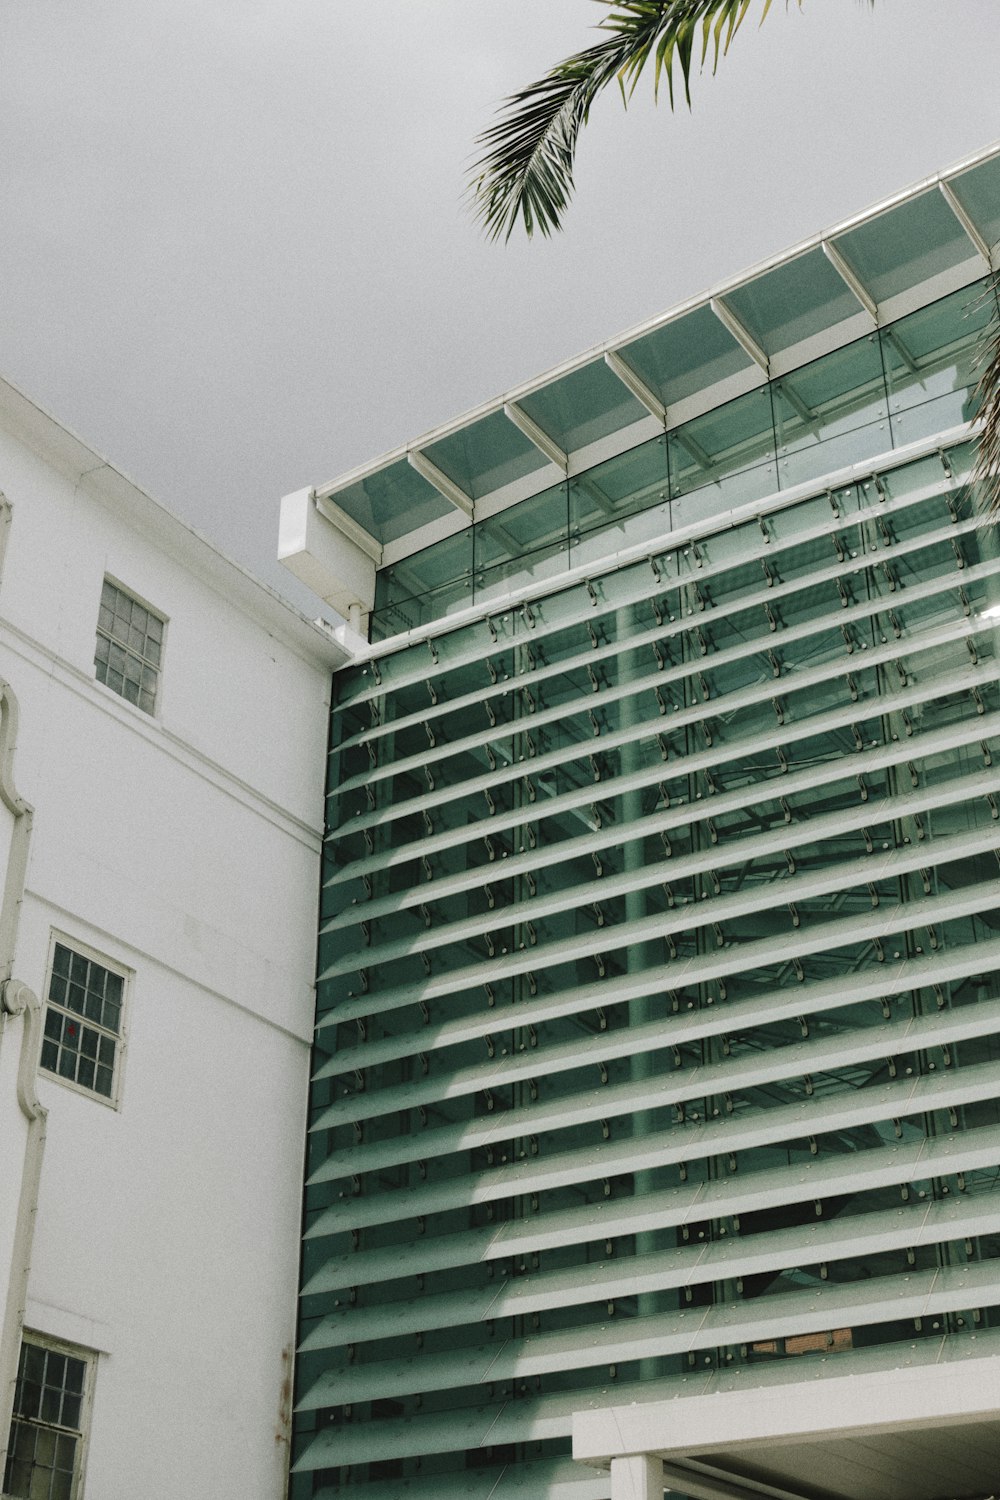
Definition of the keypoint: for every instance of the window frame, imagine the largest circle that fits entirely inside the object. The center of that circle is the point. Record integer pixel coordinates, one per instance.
(113, 966)
(88, 1357)
(100, 634)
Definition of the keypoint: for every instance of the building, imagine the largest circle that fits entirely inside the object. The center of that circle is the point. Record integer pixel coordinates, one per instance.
(655, 1116)
(654, 1123)
(160, 834)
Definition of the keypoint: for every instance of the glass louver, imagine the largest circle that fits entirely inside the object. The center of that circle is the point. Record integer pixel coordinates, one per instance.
(658, 1001)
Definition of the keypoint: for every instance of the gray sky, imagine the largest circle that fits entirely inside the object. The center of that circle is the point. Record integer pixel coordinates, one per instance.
(235, 256)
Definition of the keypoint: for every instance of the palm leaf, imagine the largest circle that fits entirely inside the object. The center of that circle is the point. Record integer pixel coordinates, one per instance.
(986, 471)
(526, 170)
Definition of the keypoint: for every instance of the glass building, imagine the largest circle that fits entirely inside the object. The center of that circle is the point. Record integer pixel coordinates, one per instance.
(658, 1035)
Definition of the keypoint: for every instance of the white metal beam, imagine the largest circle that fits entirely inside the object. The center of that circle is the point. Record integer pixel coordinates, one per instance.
(692, 446)
(740, 332)
(350, 528)
(633, 382)
(637, 1477)
(707, 1482)
(967, 222)
(451, 491)
(535, 434)
(851, 279)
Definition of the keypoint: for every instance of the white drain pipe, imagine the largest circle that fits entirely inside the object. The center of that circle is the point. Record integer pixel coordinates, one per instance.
(16, 999)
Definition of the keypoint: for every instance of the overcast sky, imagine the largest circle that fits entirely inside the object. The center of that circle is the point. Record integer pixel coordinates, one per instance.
(234, 252)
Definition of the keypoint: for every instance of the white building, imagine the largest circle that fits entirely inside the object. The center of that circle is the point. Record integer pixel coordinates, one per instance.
(149, 1194)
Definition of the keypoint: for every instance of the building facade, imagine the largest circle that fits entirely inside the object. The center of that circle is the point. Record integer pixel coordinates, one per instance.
(655, 1080)
(160, 843)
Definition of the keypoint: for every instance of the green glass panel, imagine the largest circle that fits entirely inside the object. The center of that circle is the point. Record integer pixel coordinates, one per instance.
(392, 501)
(579, 408)
(425, 586)
(540, 522)
(907, 245)
(797, 299)
(486, 455)
(724, 458)
(620, 487)
(523, 544)
(831, 413)
(689, 354)
(978, 191)
(930, 361)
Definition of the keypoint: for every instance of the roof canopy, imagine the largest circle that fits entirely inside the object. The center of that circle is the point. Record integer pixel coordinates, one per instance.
(922, 244)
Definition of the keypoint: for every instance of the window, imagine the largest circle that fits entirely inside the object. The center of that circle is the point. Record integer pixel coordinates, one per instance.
(84, 1017)
(129, 647)
(48, 1430)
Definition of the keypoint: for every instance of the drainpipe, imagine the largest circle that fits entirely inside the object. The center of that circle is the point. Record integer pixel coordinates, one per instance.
(16, 999)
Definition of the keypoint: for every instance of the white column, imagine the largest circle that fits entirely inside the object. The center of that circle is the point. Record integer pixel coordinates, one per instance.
(638, 1477)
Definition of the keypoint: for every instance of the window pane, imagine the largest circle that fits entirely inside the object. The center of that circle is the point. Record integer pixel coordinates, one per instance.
(723, 458)
(127, 652)
(831, 413)
(83, 1053)
(930, 363)
(46, 1430)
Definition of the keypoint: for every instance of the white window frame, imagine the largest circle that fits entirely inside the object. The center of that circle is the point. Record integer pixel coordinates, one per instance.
(88, 1357)
(100, 634)
(127, 975)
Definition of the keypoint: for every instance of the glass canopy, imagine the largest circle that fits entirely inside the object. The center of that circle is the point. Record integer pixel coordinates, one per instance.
(578, 408)
(797, 299)
(391, 501)
(914, 241)
(485, 456)
(689, 354)
(939, 237)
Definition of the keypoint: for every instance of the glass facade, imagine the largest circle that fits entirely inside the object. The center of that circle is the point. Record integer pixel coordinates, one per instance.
(659, 961)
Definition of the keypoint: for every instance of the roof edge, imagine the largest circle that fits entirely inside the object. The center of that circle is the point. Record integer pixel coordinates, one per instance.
(313, 640)
(678, 310)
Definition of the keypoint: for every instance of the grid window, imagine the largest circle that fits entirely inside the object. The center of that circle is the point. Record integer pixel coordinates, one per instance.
(44, 1459)
(83, 1021)
(129, 647)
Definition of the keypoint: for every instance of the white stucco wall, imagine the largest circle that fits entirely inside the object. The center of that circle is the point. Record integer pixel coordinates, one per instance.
(184, 847)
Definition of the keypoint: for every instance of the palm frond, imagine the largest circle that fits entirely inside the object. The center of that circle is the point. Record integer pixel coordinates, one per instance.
(526, 170)
(986, 470)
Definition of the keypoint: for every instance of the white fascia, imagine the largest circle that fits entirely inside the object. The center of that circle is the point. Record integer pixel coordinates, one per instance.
(851, 1404)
